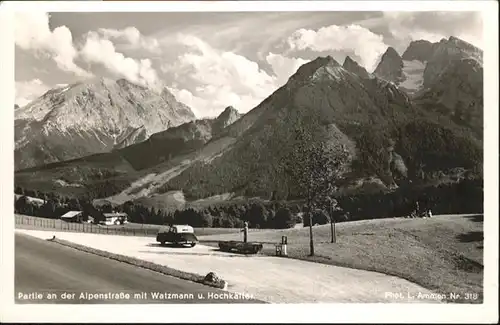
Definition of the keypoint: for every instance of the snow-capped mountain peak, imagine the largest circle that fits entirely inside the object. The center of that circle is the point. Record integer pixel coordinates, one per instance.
(104, 110)
(422, 62)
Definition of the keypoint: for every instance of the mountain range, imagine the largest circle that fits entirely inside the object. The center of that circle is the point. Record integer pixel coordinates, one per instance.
(419, 113)
(423, 62)
(91, 117)
(444, 77)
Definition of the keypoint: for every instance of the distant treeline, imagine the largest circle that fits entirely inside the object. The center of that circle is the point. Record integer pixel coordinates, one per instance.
(465, 196)
(257, 213)
(51, 205)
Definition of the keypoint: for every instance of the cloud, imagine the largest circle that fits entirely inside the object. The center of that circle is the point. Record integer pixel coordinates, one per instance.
(102, 51)
(433, 26)
(367, 45)
(26, 91)
(32, 32)
(197, 104)
(133, 37)
(283, 67)
(215, 79)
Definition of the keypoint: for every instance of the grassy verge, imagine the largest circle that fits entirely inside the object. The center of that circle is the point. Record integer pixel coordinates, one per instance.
(443, 254)
(141, 263)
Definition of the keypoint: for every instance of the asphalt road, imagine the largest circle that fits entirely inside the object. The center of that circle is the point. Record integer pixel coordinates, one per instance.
(46, 270)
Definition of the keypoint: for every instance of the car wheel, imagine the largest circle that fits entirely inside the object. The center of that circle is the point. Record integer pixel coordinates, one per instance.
(163, 243)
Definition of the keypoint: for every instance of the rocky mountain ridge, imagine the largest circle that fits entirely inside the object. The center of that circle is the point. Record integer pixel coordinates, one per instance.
(354, 67)
(391, 136)
(91, 117)
(390, 67)
(423, 61)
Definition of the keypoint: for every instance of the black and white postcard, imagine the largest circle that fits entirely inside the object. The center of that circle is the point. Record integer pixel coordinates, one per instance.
(233, 161)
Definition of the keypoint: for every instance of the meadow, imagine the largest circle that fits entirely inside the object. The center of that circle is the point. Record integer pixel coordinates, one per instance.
(443, 253)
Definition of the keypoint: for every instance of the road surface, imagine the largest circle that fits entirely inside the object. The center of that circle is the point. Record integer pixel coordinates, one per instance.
(75, 277)
(267, 278)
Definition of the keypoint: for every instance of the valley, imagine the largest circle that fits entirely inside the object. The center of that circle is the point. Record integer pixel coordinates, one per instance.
(395, 131)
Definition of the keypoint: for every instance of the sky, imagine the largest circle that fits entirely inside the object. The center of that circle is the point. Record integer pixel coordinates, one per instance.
(212, 60)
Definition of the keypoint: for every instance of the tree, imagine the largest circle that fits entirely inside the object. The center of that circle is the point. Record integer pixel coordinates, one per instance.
(207, 219)
(256, 215)
(334, 211)
(30, 210)
(216, 223)
(313, 167)
(107, 208)
(74, 204)
(319, 217)
(49, 209)
(283, 218)
(22, 204)
(227, 223)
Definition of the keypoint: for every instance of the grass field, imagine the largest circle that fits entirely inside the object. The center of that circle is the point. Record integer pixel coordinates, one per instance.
(444, 254)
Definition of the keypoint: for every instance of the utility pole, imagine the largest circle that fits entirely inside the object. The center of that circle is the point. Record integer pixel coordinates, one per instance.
(332, 224)
(309, 211)
(311, 240)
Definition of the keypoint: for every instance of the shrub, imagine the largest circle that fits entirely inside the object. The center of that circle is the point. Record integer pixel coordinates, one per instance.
(319, 217)
(283, 219)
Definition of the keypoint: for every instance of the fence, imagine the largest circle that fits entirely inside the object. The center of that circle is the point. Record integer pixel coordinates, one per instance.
(27, 222)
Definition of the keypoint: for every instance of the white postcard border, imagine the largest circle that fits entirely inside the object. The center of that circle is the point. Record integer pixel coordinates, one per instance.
(324, 313)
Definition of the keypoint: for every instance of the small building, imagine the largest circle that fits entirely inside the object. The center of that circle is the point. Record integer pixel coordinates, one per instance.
(72, 216)
(115, 218)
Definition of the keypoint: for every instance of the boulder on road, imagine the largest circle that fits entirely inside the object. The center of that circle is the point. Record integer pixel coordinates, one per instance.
(214, 280)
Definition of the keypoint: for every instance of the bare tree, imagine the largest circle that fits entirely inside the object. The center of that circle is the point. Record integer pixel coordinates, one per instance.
(333, 212)
(313, 168)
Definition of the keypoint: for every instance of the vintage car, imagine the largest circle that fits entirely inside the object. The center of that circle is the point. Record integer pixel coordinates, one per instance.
(177, 235)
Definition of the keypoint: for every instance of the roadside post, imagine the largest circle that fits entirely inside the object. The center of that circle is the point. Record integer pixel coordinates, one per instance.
(281, 247)
(245, 232)
(332, 224)
(284, 243)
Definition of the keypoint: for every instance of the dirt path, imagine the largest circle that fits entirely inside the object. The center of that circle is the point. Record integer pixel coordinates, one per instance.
(272, 279)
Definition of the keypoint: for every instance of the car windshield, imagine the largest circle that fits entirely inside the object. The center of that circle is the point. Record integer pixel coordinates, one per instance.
(164, 229)
(178, 229)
